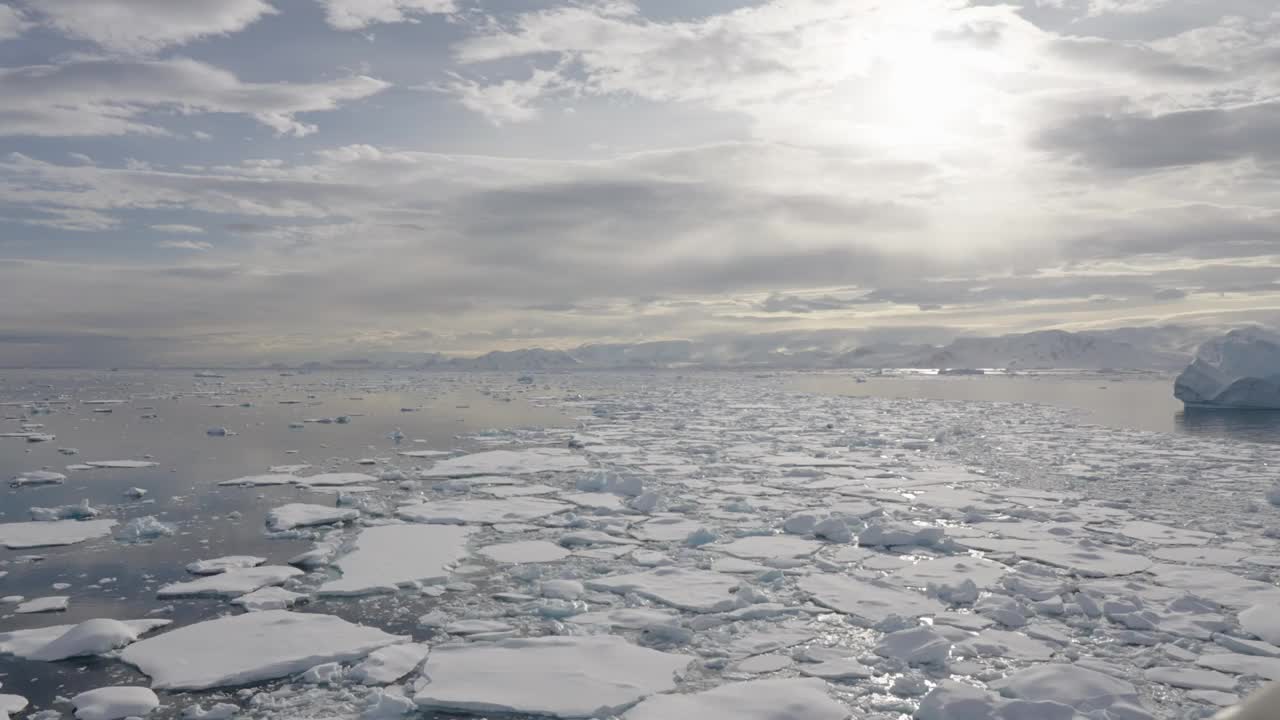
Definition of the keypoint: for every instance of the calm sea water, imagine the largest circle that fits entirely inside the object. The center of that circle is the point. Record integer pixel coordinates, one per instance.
(1136, 401)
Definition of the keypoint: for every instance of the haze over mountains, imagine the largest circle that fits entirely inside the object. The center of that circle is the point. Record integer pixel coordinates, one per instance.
(1163, 348)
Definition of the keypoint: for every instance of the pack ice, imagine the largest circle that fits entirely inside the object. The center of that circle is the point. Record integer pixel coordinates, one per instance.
(1238, 370)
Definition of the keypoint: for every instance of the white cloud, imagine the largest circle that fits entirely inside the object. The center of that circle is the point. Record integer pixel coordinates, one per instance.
(358, 14)
(142, 26)
(180, 229)
(12, 22)
(194, 245)
(100, 96)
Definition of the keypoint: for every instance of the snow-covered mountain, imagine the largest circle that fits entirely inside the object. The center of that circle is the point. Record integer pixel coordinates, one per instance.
(1050, 349)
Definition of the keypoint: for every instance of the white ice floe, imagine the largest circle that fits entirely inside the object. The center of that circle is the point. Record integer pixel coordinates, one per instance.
(769, 547)
(1083, 558)
(525, 551)
(692, 590)
(50, 643)
(915, 646)
(82, 511)
(836, 670)
(666, 529)
(1237, 664)
(261, 480)
(11, 705)
(16, 536)
(508, 462)
(869, 601)
(38, 477)
(122, 464)
(1159, 534)
(1069, 685)
(53, 603)
(949, 572)
(296, 515)
(385, 557)
(250, 648)
(1191, 678)
(784, 699)
(562, 677)
(1263, 621)
(387, 665)
(268, 598)
(1220, 586)
(232, 583)
(336, 479)
(144, 529)
(213, 566)
(1238, 370)
(481, 512)
(625, 618)
(115, 703)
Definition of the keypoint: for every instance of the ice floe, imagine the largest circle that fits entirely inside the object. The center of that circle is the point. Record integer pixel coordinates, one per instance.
(782, 699)
(16, 536)
(115, 703)
(296, 515)
(231, 583)
(686, 589)
(481, 512)
(385, 557)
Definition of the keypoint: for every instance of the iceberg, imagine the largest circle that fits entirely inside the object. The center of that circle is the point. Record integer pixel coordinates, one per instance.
(1240, 370)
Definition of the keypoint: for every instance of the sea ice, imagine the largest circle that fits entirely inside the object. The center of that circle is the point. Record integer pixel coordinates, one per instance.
(780, 699)
(21, 535)
(692, 590)
(11, 705)
(91, 637)
(869, 601)
(1066, 684)
(296, 515)
(261, 480)
(508, 462)
(53, 603)
(769, 547)
(525, 551)
(387, 665)
(385, 557)
(1262, 620)
(1191, 679)
(949, 572)
(34, 644)
(562, 677)
(231, 583)
(145, 528)
(123, 464)
(666, 529)
(115, 703)
(625, 618)
(915, 646)
(336, 479)
(1224, 588)
(38, 477)
(244, 649)
(268, 598)
(481, 512)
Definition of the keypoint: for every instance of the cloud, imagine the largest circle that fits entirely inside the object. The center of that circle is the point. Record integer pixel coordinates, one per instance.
(1170, 294)
(358, 14)
(143, 26)
(195, 245)
(180, 229)
(103, 96)
(12, 23)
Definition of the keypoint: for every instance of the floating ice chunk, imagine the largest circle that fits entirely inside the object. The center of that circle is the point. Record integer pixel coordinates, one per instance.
(91, 637)
(949, 572)
(837, 670)
(16, 536)
(387, 705)
(1084, 558)
(692, 590)
(1066, 684)
(34, 644)
(525, 551)
(594, 500)
(135, 493)
(508, 462)
(992, 643)
(1263, 667)
(1159, 534)
(479, 627)
(915, 646)
(885, 534)
(337, 479)
(288, 469)
(11, 704)
(389, 664)
(232, 583)
(38, 477)
(1263, 621)
(763, 664)
(115, 703)
(260, 480)
(296, 515)
(268, 598)
(144, 529)
(1191, 679)
(123, 464)
(218, 432)
(770, 547)
(481, 512)
(222, 564)
(1003, 609)
(800, 523)
(562, 589)
(245, 649)
(587, 538)
(870, 602)
(1236, 370)
(625, 618)
(219, 711)
(53, 603)
(64, 512)
(385, 557)
(1224, 588)
(563, 677)
(833, 530)
(780, 699)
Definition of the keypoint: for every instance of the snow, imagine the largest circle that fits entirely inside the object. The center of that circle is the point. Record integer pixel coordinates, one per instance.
(508, 462)
(238, 581)
(296, 515)
(46, 642)
(214, 566)
(250, 648)
(783, 699)
(1238, 370)
(387, 665)
(53, 603)
(481, 512)
(869, 601)
(692, 590)
(17, 536)
(562, 677)
(385, 557)
(115, 703)
(525, 551)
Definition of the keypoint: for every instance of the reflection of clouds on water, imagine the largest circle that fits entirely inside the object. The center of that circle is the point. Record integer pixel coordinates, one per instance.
(1248, 425)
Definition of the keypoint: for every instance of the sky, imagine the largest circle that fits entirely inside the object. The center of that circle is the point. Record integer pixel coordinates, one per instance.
(262, 180)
